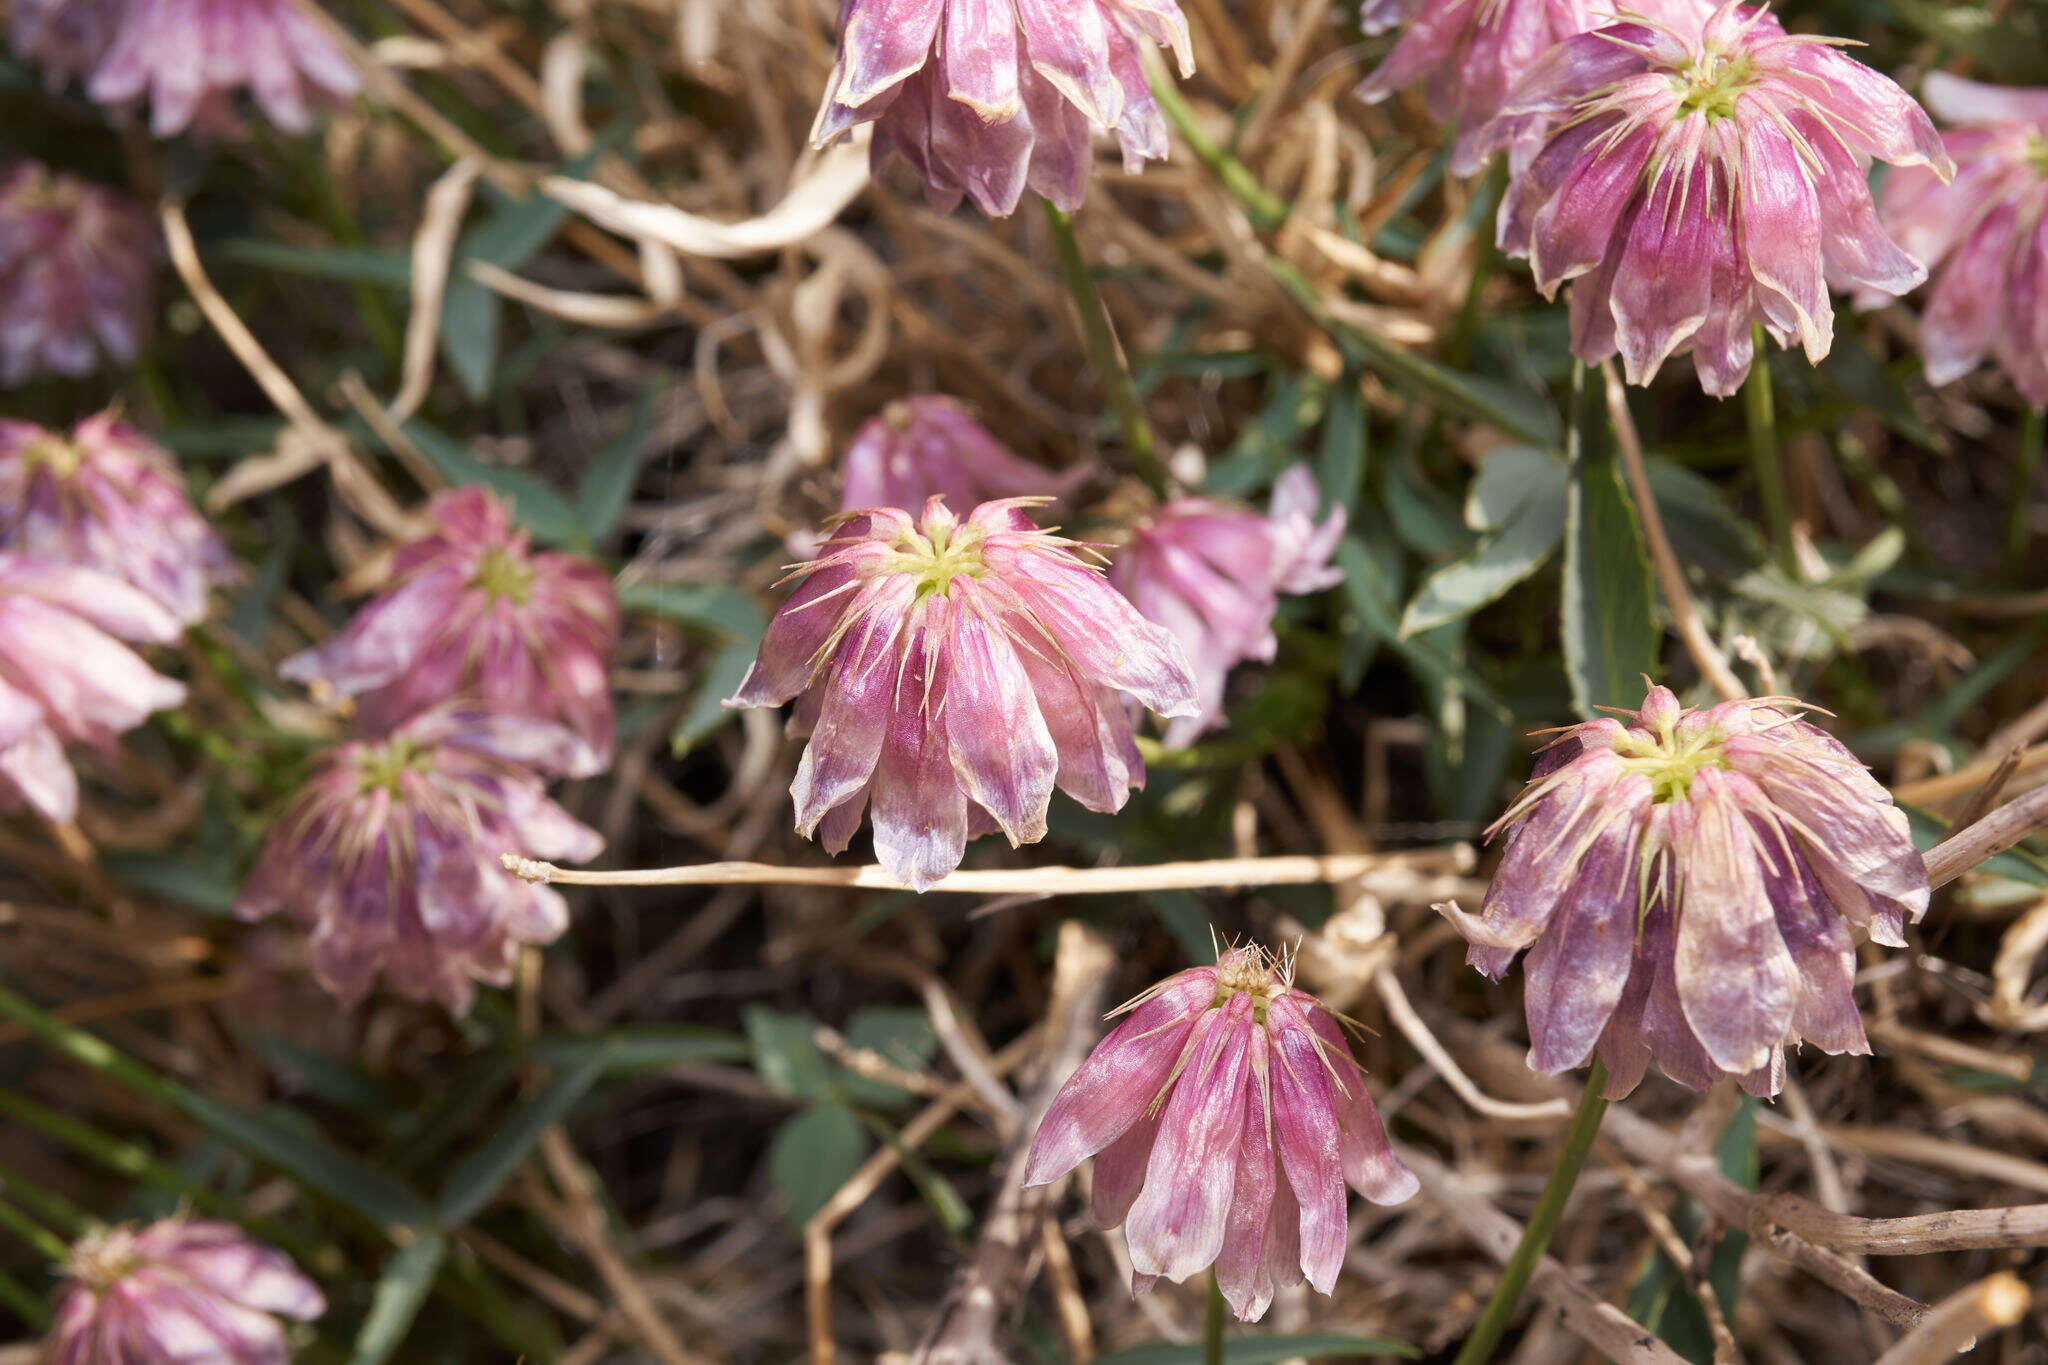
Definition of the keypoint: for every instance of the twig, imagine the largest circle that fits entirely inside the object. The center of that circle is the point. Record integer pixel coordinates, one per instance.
(1599, 1323)
(1706, 656)
(1220, 873)
(1994, 1302)
(1992, 835)
(1980, 802)
(1404, 1018)
(964, 1329)
(1681, 1257)
(862, 1183)
(586, 1225)
(1066, 1286)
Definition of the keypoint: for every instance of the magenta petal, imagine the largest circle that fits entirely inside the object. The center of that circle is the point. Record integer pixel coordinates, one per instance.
(1781, 234)
(846, 740)
(1120, 1079)
(1577, 971)
(1119, 1171)
(1824, 1010)
(1241, 1266)
(1305, 1128)
(1735, 978)
(1369, 1161)
(1001, 750)
(1176, 1226)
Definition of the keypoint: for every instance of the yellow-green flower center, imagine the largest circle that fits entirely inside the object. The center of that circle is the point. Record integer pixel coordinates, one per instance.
(1670, 762)
(385, 766)
(500, 573)
(2037, 153)
(1711, 83)
(1247, 972)
(938, 554)
(60, 456)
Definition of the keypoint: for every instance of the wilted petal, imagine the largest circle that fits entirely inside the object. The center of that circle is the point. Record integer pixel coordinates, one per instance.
(1176, 1226)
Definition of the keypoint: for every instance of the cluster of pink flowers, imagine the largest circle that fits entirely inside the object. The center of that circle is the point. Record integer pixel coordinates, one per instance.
(74, 275)
(101, 551)
(189, 57)
(183, 1289)
(480, 671)
(984, 98)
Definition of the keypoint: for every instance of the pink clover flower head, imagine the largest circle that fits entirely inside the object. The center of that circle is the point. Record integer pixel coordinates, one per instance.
(1225, 1116)
(67, 677)
(190, 57)
(929, 446)
(184, 1289)
(66, 38)
(472, 611)
(986, 97)
(953, 672)
(391, 856)
(1696, 178)
(1986, 232)
(1686, 882)
(74, 275)
(1212, 573)
(107, 497)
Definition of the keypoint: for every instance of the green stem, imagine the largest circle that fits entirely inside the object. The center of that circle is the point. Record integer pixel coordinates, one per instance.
(48, 1244)
(1212, 1325)
(1761, 412)
(1103, 348)
(59, 1213)
(1266, 209)
(2026, 467)
(124, 1158)
(1507, 1295)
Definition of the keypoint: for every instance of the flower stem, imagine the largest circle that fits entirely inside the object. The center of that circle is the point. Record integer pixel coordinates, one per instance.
(1212, 1325)
(1762, 415)
(1266, 209)
(1507, 1295)
(1103, 348)
(2026, 466)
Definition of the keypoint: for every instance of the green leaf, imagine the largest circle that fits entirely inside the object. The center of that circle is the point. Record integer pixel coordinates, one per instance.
(785, 1057)
(1366, 589)
(535, 503)
(608, 486)
(1262, 1350)
(1530, 524)
(728, 668)
(813, 1154)
(1340, 472)
(901, 1036)
(202, 880)
(1610, 629)
(403, 1287)
(719, 607)
(643, 1048)
(352, 265)
(477, 1177)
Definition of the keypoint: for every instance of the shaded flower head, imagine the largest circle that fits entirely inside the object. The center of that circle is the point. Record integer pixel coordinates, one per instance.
(472, 611)
(985, 97)
(1986, 232)
(74, 275)
(927, 446)
(1212, 573)
(1225, 1116)
(108, 498)
(390, 857)
(66, 677)
(1685, 882)
(66, 38)
(952, 672)
(191, 57)
(182, 1289)
(1696, 178)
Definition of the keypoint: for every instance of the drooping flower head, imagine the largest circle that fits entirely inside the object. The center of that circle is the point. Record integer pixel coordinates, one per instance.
(66, 38)
(1694, 179)
(74, 275)
(927, 446)
(1225, 1116)
(472, 611)
(1212, 573)
(390, 857)
(985, 97)
(1989, 226)
(67, 678)
(182, 1289)
(952, 673)
(1686, 883)
(108, 498)
(191, 57)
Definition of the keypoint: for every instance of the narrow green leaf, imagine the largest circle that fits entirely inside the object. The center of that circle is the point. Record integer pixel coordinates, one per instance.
(1521, 547)
(352, 265)
(1610, 628)
(1340, 471)
(785, 1055)
(899, 1035)
(644, 1048)
(1263, 1350)
(1367, 590)
(608, 486)
(403, 1287)
(477, 1177)
(535, 503)
(707, 708)
(813, 1154)
(712, 606)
